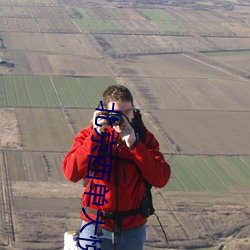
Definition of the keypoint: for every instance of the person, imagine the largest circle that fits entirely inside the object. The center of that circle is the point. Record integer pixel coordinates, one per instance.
(113, 221)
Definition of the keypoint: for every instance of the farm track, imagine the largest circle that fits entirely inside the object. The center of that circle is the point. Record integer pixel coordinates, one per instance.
(172, 211)
(7, 227)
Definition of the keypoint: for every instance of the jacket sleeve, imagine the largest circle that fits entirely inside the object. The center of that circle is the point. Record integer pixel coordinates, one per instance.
(151, 161)
(75, 163)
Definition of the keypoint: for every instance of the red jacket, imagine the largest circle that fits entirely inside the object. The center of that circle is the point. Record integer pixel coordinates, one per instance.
(147, 159)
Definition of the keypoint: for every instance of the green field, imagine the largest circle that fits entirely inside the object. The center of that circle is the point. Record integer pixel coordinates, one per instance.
(87, 23)
(55, 91)
(226, 53)
(156, 15)
(79, 13)
(161, 19)
(93, 25)
(208, 173)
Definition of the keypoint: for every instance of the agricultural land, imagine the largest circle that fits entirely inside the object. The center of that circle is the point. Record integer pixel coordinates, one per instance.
(187, 64)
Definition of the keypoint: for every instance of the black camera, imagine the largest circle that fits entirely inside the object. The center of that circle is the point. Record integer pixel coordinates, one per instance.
(115, 118)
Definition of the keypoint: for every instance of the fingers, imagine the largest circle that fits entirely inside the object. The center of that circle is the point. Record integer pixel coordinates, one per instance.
(103, 123)
(124, 129)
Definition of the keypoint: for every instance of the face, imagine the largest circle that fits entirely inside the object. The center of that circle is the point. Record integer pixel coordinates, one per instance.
(125, 107)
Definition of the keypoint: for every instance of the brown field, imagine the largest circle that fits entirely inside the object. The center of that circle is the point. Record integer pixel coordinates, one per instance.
(209, 22)
(55, 54)
(192, 104)
(230, 44)
(235, 60)
(47, 25)
(39, 130)
(52, 44)
(192, 94)
(10, 135)
(216, 132)
(197, 98)
(34, 166)
(167, 66)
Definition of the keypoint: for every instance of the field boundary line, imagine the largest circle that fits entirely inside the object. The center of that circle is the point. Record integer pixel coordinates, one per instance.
(167, 153)
(217, 68)
(197, 177)
(79, 29)
(69, 90)
(244, 163)
(6, 202)
(4, 89)
(214, 172)
(15, 91)
(182, 184)
(96, 84)
(54, 87)
(166, 138)
(27, 89)
(42, 52)
(25, 166)
(174, 213)
(42, 88)
(232, 171)
(203, 110)
(65, 115)
(6, 94)
(80, 85)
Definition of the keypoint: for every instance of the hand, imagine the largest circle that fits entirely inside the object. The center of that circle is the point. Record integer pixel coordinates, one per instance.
(126, 132)
(100, 121)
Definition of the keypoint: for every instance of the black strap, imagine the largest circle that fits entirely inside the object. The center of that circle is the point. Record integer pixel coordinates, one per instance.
(112, 215)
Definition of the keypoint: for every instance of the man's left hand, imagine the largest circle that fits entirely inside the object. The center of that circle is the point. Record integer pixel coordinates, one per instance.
(126, 133)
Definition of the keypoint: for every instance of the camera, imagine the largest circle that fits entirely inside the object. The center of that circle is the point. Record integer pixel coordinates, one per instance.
(115, 118)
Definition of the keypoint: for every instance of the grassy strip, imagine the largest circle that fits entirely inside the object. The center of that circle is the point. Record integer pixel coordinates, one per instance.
(40, 91)
(11, 94)
(184, 174)
(81, 99)
(49, 92)
(218, 167)
(93, 25)
(226, 52)
(37, 95)
(239, 169)
(22, 92)
(161, 19)
(3, 97)
(208, 173)
(168, 26)
(156, 14)
(63, 91)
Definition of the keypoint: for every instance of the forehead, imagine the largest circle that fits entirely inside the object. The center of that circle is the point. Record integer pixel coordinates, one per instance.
(121, 105)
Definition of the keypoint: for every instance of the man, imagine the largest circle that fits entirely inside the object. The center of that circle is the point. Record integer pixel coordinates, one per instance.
(119, 222)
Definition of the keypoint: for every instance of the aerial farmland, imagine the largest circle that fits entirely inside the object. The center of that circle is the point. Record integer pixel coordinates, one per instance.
(187, 64)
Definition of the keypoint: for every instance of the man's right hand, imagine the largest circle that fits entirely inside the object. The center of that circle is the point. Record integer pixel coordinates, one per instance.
(100, 121)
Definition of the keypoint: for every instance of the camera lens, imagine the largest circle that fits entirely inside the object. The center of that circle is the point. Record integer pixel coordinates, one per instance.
(116, 118)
